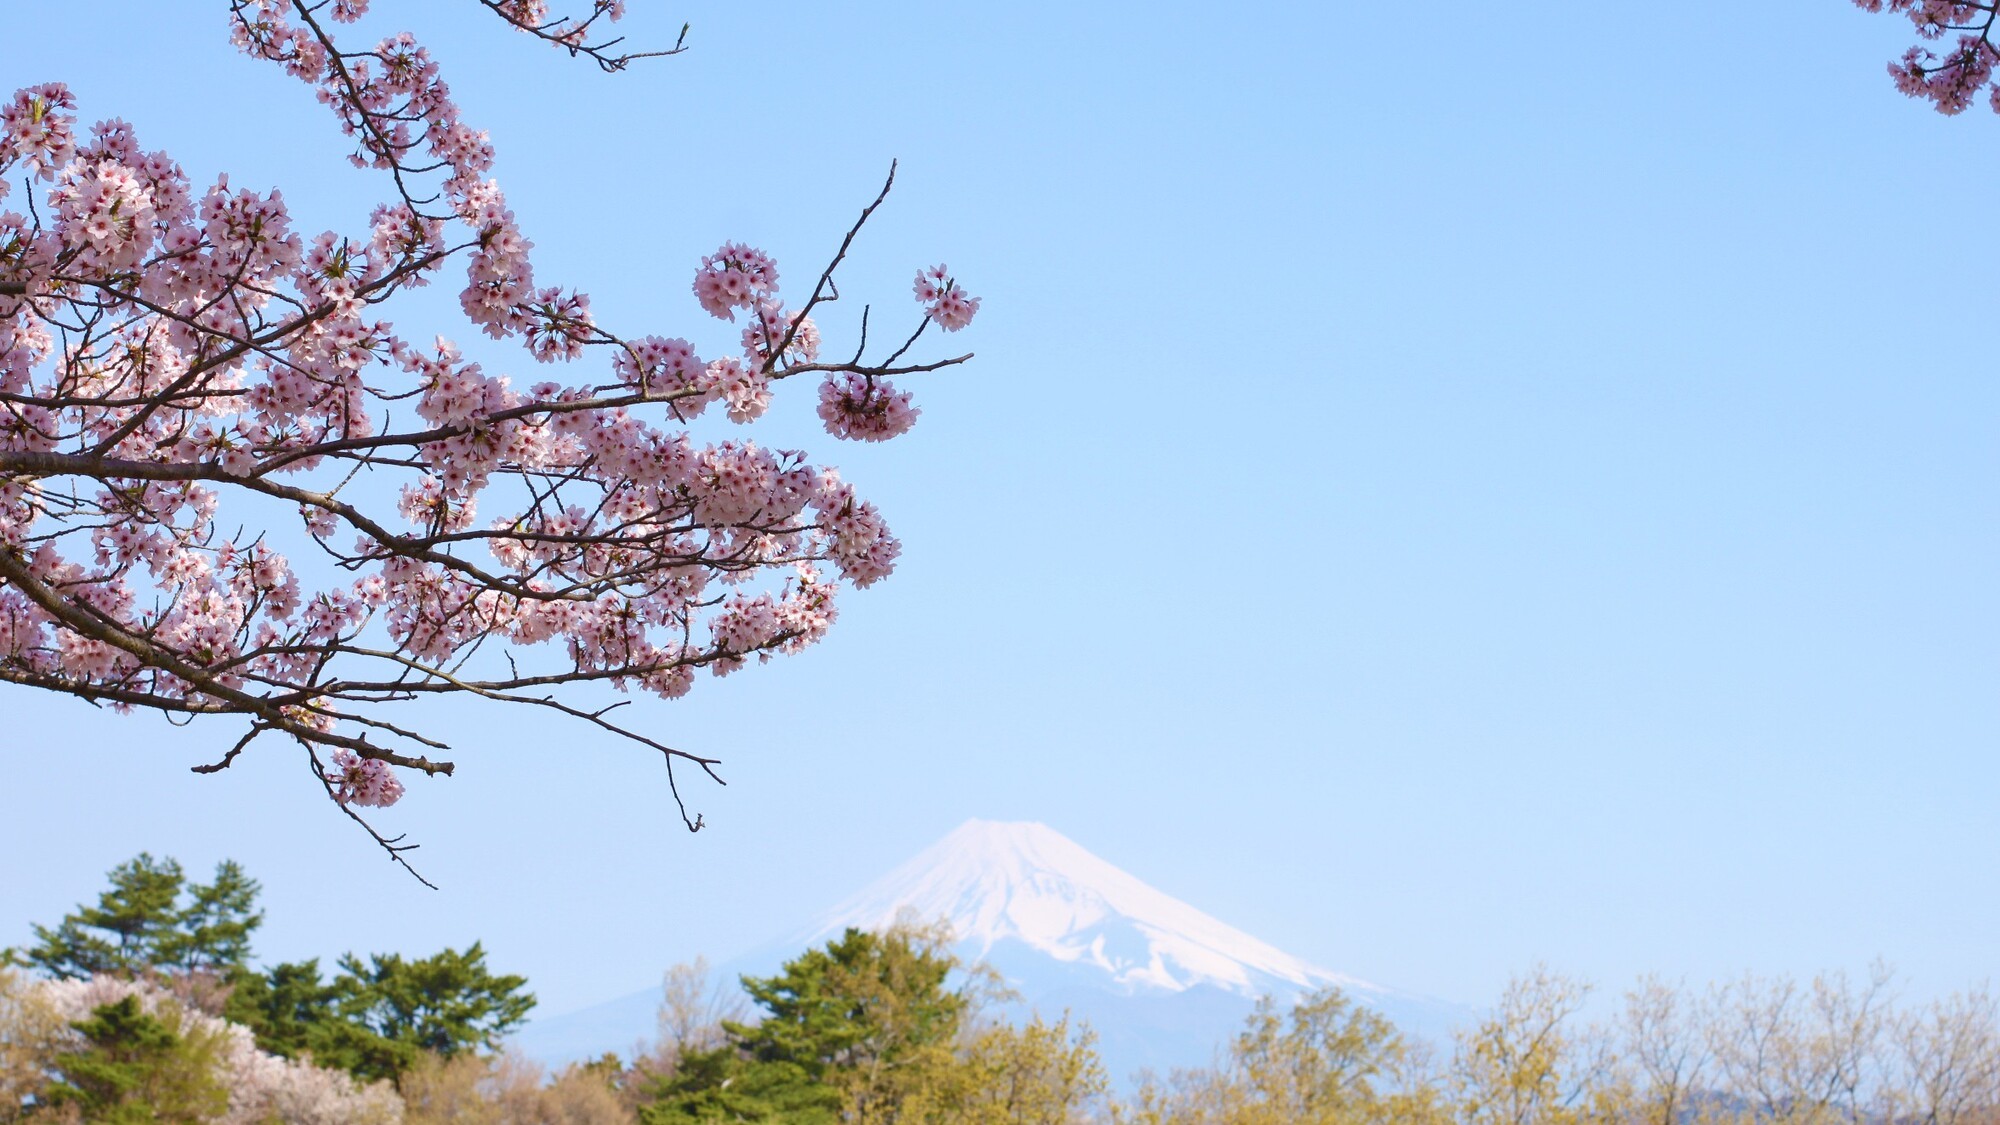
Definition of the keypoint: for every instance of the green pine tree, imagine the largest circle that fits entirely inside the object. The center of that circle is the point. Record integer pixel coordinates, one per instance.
(121, 934)
(841, 1026)
(140, 924)
(212, 932)
(373, 1018)
(289, 1008)
(376, 1017)
(447, 1003)
(134, 1069)
(723, 1085)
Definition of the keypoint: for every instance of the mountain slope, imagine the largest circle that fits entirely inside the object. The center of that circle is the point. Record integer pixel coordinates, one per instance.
(1000, 883)
(1162, 983)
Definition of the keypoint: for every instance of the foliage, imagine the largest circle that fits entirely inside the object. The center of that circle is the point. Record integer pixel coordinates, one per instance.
(1326, 1062)
(151, 918)
(133, 1068)
(32, 1032)
(723, 1085)
(1529, 1062)
(866, 1001)
(506, 1090)
(260, 1087)
(157, 1045)
(446, 1004)
(837, 1024)
(1040, 1073)
(875, 1028)
(289, 1008)
(376, 1018)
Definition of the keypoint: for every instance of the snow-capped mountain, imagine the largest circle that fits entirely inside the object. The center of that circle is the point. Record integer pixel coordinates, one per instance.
(1161, 983)
(1007, 885)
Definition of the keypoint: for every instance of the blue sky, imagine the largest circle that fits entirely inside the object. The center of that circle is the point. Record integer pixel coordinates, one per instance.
(1515, 488)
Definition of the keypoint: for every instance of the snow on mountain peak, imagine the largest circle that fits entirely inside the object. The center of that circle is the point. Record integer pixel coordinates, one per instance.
(1000, 883)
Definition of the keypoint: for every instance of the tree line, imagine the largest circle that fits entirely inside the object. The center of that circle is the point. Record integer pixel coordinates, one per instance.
(147, 1007)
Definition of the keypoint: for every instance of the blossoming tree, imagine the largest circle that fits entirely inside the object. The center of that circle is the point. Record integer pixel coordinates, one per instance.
(188, 384)
(1950, 80)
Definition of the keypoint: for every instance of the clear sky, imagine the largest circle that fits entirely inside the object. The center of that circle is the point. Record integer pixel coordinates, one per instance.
(1436, 494)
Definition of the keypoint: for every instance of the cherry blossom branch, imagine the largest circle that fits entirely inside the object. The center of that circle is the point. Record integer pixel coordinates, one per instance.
(571, 35)
(175, 362)
(1949, 81)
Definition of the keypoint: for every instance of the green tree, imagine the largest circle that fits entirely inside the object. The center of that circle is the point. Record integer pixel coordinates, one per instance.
(375, 1018)
(141, 924)
(289, 1008)
(211, 932)
(447, 1003)
(845, 1030)
(723, 1085)
(135, 1069)
(120, 933)
(866, 1000)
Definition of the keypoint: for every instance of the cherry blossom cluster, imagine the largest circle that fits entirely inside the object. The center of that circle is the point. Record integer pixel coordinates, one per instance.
(1952, 77)
(943, 300)
(261, 1087)
(180, 367)
(363, 781)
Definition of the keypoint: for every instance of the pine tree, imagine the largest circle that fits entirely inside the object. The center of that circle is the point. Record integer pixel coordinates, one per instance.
(122, 934)
(134, 1069)
(376, 1017)
(212, 932)
(844, 1029)
(373, 1018)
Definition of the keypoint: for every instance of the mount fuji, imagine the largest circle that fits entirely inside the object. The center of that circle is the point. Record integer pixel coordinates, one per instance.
(1162, 983)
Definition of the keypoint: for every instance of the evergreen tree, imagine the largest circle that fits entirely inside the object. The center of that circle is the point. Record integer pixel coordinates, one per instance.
(844, 1029)
(140, 924)
(722, 1085)
(121, 934)
(134, 1069)
(865, 1001)
(212, 932)
(288, 1007)
(446, 1003)
(375, 1018)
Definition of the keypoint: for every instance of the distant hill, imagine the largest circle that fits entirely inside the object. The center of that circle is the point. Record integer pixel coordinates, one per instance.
(1163, 983)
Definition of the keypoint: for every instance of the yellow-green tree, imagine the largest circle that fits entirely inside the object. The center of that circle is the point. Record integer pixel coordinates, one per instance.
(1528, 1063)
(1665, 1054)
(1326, 1061)
(31, 1033)
(470, 1089)
(1039, 1073)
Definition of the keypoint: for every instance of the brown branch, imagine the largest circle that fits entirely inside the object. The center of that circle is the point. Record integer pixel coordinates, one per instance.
(96, 627)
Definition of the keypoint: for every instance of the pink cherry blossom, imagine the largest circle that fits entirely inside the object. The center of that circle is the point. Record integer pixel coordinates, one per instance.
(734, 277)
(184, 372)
(864, 408)
(363, 781)
(1952, 78)
(261, 1087)
(944, 301)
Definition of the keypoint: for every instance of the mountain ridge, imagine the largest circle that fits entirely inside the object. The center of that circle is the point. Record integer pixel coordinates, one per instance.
(1162, 982)
(998, 881)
